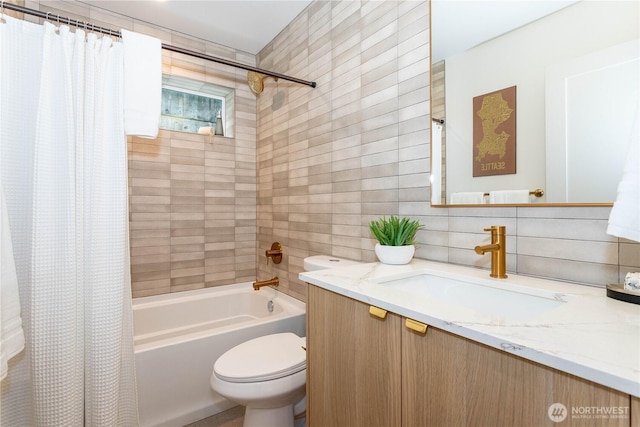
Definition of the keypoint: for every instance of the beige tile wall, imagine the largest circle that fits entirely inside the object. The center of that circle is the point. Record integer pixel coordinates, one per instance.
(328, 160)
(332, 158)
(192, 199)
(192, 212)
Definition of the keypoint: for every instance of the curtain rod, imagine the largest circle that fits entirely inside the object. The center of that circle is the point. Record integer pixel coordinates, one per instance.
(88, 26)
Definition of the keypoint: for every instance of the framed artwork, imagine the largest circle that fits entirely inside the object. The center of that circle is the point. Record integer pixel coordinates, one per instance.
(494, 133)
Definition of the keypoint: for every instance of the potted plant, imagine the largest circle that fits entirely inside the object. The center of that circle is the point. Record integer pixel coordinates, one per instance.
(396, 239)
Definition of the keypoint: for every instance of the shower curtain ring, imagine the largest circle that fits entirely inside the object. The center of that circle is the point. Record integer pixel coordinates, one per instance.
(2, 21)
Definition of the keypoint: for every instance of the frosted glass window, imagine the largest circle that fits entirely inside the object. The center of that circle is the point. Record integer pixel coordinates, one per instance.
(186, 111)
(189, 104)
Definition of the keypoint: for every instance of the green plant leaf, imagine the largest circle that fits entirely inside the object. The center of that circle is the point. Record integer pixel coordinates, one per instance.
(394, 231)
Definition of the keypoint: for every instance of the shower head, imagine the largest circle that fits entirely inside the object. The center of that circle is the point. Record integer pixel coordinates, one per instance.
(256, 82)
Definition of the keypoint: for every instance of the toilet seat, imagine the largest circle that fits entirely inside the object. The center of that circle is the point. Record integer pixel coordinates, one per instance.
(262, 359)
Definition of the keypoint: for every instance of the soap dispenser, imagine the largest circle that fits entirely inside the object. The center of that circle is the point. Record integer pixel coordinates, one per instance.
(219, 127)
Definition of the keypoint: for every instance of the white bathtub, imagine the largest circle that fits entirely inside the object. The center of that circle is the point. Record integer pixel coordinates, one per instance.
(179, 336)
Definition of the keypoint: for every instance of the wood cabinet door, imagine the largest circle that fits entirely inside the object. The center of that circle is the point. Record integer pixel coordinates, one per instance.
(452, 381)
(433, 379)
(353, 363)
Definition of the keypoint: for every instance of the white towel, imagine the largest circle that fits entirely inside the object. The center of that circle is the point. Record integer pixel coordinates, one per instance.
(509, 196)
(436, 164)
(142, 84)
(467, 198)
(624, 219)
(11, 333)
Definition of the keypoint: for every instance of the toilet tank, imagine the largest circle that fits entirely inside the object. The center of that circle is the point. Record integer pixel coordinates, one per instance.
(323, 262)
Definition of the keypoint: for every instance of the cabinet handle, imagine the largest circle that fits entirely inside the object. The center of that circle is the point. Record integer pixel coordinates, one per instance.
(378, 312)
(416, 326)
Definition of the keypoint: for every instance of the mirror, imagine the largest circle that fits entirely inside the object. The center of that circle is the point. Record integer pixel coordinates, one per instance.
(573, 111)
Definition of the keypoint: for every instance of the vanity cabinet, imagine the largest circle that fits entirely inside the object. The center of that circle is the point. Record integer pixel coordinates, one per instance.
(367, 371)
(353, 364)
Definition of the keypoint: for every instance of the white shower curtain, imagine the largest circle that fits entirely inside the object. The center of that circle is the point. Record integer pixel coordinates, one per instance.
(64, 174)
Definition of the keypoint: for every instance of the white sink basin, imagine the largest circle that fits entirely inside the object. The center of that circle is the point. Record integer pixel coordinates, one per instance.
(503, 301)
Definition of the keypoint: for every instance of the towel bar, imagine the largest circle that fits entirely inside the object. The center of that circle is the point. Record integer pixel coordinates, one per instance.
(538, 192)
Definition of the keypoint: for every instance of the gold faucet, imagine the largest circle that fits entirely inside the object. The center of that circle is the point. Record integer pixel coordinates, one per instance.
(498, 249)
(270, 282)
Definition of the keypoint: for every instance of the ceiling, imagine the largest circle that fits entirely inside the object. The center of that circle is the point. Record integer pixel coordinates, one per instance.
(249, 25)
(246, 25)
(459, 25)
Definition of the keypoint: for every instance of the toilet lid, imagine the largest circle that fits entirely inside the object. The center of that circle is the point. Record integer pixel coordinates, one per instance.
(261, 359)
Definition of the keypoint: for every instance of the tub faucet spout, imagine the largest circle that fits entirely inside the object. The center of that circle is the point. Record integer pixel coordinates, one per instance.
(498, 251)
(270, 282)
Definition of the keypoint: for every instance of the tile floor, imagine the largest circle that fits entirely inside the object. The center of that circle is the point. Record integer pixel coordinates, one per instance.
(233, 417)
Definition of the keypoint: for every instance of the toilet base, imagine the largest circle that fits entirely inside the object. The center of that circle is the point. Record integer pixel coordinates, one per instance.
(272, 417)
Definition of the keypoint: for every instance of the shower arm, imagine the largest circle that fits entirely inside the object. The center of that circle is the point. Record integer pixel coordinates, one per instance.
(91, 27)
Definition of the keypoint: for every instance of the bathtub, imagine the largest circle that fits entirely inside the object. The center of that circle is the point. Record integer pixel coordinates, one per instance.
(178, 337)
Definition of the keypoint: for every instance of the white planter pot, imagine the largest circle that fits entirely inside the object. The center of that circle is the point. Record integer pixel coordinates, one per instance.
(396, 255)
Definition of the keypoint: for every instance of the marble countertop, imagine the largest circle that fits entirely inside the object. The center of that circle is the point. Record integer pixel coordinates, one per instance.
(586, 334)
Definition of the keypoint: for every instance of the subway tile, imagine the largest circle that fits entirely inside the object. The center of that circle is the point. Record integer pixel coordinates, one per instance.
(185, 153)
(149, 225)
(558, 228)
(149, 173)
(150, 267)
(150, 275)
(186, 272)
(630, 255)
(412, 180)
(187, 256)
(141, 285)
(187, 264)
(142, 217)
(194, 194)
(150, 149)
(192, 282)
(141, 234)
(413, 70)
(143, 182)
(188, 287)
(149, 259)
(148, 191)
(149, 250)
(196, 247)
(410, 42)
(187, 242)
(593, 273)
(575, 250)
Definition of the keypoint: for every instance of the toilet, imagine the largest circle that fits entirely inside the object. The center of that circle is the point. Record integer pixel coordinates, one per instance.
(267, 374)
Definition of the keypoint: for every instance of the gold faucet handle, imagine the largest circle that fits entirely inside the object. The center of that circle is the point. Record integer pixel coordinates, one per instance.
(496, 229)
(275, 253)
